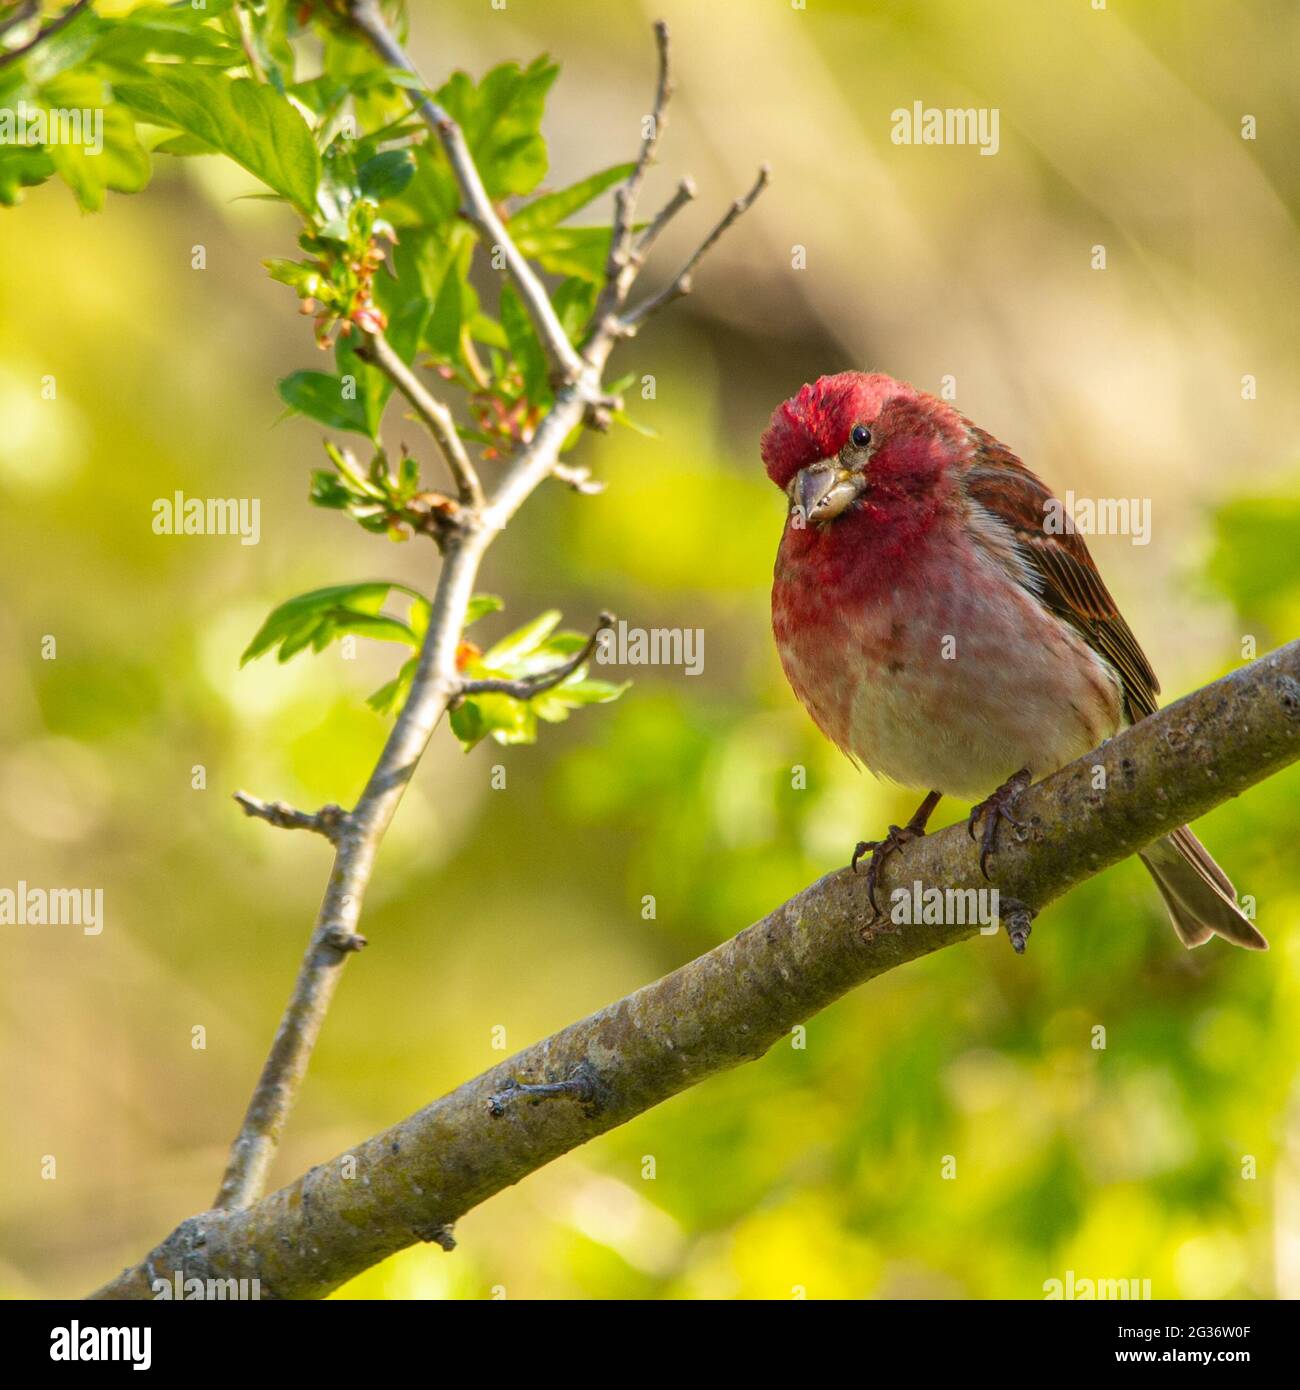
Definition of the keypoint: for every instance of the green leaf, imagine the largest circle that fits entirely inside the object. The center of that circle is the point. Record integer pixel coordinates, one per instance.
(522, 642)
(22, 166)
(393, 692)
(319, 395)
(580, 251)
(386, 175)
(253, 124)
(524, 347)
(574, 299)
(501, 120)
(167, 31)
(315, 619)
(480, 606)
(506, 720)
(551, 208)
(430, 199)
(122, 164)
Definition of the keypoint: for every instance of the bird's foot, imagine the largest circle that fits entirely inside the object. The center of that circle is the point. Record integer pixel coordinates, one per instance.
(895, 839)
(995, 809)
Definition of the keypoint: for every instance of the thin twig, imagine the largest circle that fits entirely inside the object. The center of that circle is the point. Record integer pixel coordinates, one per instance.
(436, 416)
(681, 284)
(729, 1006)
(49, 31)
(527, 686)
(566, 365)
(328, 821)
(685, 193)
(624, 260)
(628, 194)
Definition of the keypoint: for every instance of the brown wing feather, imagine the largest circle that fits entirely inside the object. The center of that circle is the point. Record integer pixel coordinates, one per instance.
(1070, 584)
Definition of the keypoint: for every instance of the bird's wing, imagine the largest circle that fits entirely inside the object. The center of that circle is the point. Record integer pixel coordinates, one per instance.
(1054, 564)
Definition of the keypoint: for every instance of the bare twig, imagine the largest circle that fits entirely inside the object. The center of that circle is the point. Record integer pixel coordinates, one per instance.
(328, 821)
(732, 1004)
(436, 416)
(685, 193)
(47, 32)
(681, 284)
(565, 363)
(528, 686)
(619, 268)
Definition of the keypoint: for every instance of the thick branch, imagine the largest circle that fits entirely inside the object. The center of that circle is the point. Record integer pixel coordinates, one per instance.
(729, 1006)
(527, 686)
(478, 207)
(436, 416)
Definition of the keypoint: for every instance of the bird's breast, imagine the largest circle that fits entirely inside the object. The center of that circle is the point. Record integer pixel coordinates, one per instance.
(941, 672)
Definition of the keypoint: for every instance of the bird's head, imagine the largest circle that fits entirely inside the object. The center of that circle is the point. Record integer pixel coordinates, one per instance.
(862, 440)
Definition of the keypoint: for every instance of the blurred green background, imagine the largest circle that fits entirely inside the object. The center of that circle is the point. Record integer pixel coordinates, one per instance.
(817, 1168)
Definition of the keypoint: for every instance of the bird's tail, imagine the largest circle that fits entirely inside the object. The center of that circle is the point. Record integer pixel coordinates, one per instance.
(1200, 897)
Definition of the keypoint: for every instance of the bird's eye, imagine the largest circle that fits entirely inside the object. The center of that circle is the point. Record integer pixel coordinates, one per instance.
(861, 436)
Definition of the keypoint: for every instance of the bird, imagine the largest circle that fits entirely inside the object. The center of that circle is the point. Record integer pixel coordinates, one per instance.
(946, 630)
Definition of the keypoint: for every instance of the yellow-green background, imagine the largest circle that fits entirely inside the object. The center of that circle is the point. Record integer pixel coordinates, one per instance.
(817, 1168)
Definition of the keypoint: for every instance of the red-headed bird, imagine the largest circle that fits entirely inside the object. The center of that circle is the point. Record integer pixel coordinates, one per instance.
(945, 629)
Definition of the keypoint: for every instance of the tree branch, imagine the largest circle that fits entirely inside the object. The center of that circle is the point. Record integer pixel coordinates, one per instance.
(729, 1006)
(360, 833)
(435, 415)
(528, 686)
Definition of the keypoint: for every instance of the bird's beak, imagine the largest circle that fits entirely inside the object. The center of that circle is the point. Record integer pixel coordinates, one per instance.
(823, 490)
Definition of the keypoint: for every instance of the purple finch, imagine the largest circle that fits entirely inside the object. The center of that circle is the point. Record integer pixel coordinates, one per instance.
(943, 632)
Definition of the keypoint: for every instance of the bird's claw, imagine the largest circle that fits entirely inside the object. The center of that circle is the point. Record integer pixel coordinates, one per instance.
(895, 839)
(995, 809)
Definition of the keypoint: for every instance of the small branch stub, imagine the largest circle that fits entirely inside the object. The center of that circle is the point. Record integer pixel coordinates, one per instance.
(329, 821)
(1017, 918)
(582, 1085)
